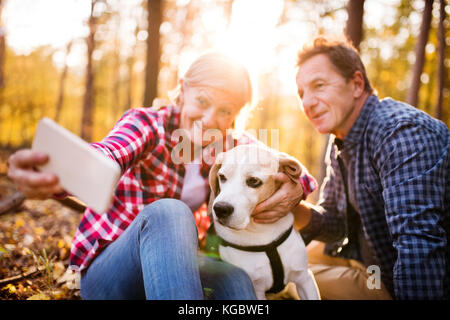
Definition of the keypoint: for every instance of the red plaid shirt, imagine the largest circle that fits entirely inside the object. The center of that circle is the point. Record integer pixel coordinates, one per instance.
(141, 142)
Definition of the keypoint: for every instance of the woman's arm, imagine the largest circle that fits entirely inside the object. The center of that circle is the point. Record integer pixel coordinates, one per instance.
(132, 137)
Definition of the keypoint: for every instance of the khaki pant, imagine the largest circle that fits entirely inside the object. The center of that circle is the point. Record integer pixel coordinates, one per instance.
(341, 279)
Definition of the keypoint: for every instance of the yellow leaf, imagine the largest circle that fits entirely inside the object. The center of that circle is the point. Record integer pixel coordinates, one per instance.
(63, 253)
(20, 223)
(61, 244)
(10, 287)
(58, 294)
(39, 296)
(26, 251)
(39, 231)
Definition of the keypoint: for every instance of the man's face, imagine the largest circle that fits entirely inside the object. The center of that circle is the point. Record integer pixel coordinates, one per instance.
(327, 98)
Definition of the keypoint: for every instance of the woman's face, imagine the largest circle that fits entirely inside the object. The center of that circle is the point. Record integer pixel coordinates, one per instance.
(204, 108)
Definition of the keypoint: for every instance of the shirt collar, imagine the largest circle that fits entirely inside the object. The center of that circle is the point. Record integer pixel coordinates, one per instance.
(356, 132)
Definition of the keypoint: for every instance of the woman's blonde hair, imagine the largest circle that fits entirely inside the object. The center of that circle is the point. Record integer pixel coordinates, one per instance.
(218, 71)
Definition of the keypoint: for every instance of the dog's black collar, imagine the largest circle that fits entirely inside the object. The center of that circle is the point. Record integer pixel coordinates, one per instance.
(273, 255)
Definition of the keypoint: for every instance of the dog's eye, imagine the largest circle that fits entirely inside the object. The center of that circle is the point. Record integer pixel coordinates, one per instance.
(222, 178)
(253, 182)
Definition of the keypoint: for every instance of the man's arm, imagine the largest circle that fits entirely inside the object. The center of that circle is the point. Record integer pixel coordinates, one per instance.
(321, 222)
(302, 215)
(411, 161)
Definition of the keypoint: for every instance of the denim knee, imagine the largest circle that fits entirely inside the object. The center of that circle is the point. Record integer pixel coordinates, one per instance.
(170, 213)
(227, 281)
(239, 276)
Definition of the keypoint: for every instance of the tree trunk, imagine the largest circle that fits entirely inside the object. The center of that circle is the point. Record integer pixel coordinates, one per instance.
(2, 59)
(413, 93)
(441, 68)
(116, 83)
(229, 11)
(130, 84)
(88, 101)
(187, 30)
(354, 27)
(154, 18)
(131, 60)
(62, 83)
(2, 49)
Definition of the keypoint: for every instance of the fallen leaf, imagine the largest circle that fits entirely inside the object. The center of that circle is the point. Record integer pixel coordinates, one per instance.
(10, 247)
(39, 296)
(20, 223)
(57, 294)
(10, 288)
(70, 280)
(28, 239)
(61, 243)
(3, 251)
(39, 231)
(58, 269)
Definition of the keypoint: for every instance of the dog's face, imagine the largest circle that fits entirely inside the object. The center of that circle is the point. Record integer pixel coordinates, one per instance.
(243, 177)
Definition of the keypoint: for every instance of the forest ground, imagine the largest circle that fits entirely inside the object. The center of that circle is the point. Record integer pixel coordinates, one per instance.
(35, 244)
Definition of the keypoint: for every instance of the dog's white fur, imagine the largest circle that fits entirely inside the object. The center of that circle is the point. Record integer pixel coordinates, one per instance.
(237, 166)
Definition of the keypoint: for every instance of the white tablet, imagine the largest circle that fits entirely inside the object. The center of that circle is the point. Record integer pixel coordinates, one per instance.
(83, 171)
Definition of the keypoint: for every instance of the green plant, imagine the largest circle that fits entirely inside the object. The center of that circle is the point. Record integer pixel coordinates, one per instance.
(44, 263)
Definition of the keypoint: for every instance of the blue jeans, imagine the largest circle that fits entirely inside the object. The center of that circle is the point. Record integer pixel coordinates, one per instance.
(156, 257)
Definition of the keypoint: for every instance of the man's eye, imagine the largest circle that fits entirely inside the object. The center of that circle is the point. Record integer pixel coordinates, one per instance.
(320, 85)
(253, 182)
(222, 178)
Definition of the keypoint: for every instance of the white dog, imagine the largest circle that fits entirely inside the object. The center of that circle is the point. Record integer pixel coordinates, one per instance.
(272, 254)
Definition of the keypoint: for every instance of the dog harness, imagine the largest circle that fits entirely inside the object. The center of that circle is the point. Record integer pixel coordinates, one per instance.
(273, 255)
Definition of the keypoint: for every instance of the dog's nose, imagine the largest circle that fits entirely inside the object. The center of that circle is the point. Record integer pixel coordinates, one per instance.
(223, 209)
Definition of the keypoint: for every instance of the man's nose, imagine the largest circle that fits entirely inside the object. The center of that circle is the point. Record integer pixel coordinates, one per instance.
(308, 102)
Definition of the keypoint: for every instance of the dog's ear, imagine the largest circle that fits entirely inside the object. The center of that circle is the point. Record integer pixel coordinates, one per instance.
(214, 181)
(290, 166)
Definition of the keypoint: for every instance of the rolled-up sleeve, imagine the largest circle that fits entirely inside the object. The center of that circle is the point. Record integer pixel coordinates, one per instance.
(132, 136)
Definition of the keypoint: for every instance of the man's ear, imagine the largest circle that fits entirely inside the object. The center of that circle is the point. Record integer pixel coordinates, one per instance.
(214, 181)
(290, 166)
(359, 84)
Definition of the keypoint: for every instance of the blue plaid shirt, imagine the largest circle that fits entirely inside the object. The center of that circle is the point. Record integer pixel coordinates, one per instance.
(398, 163)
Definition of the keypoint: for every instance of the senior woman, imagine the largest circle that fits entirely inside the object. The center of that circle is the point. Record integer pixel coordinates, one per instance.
(146, 245)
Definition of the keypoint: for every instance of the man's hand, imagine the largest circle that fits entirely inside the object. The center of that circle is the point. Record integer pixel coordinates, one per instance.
(32, 183)
(280, 203)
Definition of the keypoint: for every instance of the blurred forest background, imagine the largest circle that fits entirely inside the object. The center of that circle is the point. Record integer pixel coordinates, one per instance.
(84, 62)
